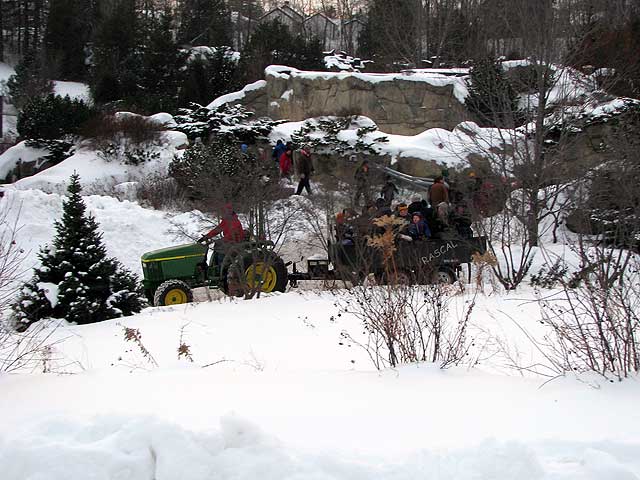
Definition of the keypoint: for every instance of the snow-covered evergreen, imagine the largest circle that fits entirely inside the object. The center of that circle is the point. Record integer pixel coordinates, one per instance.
(76, 280)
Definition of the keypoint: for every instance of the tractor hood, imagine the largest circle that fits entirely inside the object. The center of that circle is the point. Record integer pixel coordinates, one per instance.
(175, 253)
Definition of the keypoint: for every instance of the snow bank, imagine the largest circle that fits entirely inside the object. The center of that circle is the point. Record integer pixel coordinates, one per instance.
(20, 153)
(447, 148)
(6, 71)
(97, 173)
(128, 229)
(436, 79)
(127, 448)
(75, 90)
(314, 408)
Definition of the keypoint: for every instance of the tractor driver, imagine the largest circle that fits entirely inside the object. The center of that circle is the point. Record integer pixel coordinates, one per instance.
(230, 227)
(232, 232)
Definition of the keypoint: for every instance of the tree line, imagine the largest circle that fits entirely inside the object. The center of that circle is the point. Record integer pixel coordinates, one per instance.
(143, 55)
(435, 33)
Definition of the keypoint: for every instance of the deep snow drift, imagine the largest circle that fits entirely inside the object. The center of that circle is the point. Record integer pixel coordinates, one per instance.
(271, 394)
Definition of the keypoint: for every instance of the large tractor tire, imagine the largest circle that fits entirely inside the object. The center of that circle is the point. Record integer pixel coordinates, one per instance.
(266, 274)
(270, 274)
(172, 292)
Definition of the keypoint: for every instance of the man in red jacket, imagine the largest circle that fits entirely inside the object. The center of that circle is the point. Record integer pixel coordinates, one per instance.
(230, 227)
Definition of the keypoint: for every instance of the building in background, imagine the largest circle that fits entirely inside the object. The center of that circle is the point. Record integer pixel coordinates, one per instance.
(333, 33)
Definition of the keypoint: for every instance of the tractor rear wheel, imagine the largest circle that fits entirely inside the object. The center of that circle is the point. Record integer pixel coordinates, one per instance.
(268, 275)
(255, 273)
(172, 292)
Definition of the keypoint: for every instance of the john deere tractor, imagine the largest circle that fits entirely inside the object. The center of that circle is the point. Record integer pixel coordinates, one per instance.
(171, 274)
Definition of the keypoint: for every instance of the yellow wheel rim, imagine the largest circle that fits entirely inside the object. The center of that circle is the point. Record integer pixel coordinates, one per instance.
(258, 274)
(175, 296)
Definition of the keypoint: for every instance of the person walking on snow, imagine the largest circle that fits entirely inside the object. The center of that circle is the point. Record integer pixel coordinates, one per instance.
(305, 169)
(278, 150)
(361, 177)
(286, 161)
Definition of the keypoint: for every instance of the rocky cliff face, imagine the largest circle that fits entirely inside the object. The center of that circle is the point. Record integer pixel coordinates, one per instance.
(404, 104)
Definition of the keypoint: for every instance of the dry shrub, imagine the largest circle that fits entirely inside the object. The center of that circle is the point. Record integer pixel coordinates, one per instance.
(406, 323)
(134, 336)
(596, 325)
(160, 193)
(138, 129)
(485, 262)
(124, 138)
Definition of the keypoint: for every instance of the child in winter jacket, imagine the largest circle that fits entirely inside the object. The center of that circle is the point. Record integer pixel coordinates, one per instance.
(286, 161)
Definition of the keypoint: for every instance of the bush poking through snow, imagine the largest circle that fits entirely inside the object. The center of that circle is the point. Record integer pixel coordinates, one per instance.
(77, 281)
(134, 336)
(53, 117)
(214, 174)
(404, 322)
(126, 138)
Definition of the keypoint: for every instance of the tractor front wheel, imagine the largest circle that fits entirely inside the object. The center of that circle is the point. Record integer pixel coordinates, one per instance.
(172, 292)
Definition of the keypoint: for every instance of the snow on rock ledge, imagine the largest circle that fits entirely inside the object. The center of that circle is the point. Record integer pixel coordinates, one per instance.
(405, 103)
(240, 96)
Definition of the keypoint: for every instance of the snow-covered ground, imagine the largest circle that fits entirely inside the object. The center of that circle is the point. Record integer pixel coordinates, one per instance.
(272, 394)
(274, 391)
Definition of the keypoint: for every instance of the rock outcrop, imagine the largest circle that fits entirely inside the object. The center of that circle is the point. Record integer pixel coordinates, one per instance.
(404, 104)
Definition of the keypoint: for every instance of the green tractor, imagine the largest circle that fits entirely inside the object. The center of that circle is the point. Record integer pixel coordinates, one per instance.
(171, 274)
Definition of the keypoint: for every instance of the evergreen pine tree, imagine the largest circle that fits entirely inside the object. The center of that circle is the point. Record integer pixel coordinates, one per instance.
(115, 58)
(161, 66)
(492, 97)
(204, 22)
(273, 43)
(66, 36)
(219, 163)
(208, 75)
(29, 81)
(77, 281)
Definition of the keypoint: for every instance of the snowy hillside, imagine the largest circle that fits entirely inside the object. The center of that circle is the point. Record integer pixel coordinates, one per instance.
(34, 213)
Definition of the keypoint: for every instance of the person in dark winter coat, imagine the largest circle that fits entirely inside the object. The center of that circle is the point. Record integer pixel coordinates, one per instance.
(389, 190)
(361, 177)
(417, 205)
(278, 150)
(419, 229)
(305, 169)
(286, 161)
(381, 208)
